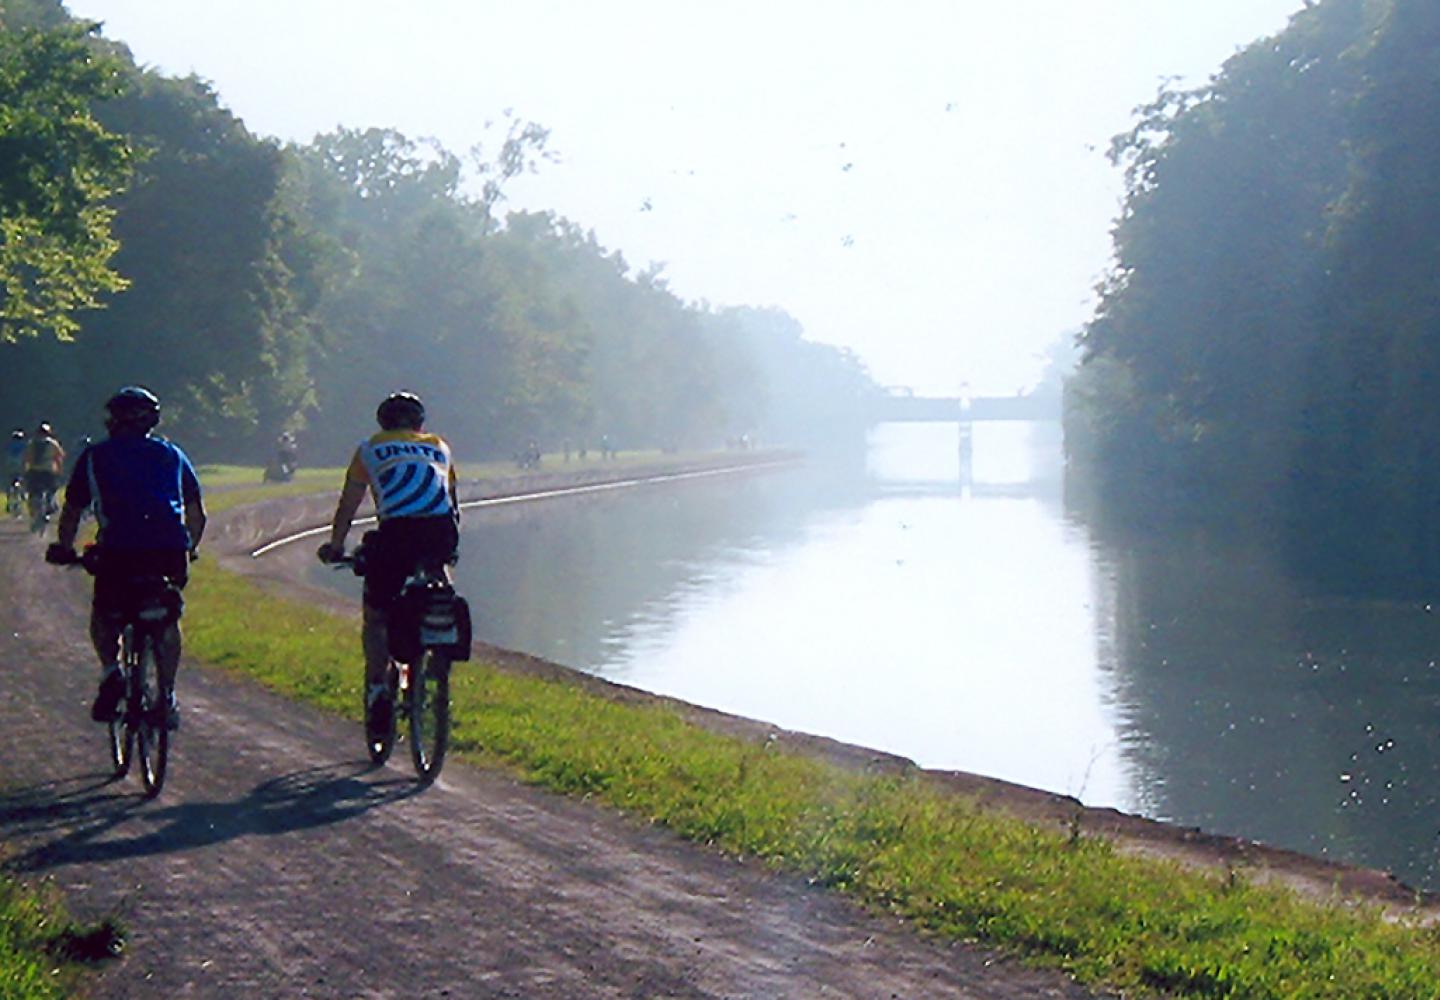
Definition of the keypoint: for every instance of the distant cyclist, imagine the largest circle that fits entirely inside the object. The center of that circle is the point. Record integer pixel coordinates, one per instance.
(15, 470)
(44, 461)
(146, 499)
(411, 476)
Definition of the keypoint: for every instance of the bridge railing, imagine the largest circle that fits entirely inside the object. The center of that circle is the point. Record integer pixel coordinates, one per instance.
(899, 407)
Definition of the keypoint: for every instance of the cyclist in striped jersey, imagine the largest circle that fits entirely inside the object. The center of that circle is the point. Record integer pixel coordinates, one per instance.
(411, 477)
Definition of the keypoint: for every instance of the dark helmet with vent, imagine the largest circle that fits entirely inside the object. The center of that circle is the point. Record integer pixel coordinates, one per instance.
(401, 410)
(133, 406)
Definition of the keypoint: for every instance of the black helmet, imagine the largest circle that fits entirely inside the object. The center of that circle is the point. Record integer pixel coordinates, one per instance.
(18, 433)
(44, 429)
(133, 406)
(400, 409)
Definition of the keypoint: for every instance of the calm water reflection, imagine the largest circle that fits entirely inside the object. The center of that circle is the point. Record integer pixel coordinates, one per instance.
(982, 628)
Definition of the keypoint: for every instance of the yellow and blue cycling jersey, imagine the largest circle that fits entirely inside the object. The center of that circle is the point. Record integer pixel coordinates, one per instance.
(410, 474)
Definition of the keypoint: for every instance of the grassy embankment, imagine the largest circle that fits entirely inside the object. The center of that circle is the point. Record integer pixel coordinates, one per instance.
(1068, 901)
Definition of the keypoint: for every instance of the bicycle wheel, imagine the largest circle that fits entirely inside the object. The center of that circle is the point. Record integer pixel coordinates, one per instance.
(122, 740)
(152, 734)
(122, 728)
(380, 740)
(429, 711)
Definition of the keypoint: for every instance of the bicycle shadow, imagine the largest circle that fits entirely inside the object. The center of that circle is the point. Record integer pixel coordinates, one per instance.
(93, 825)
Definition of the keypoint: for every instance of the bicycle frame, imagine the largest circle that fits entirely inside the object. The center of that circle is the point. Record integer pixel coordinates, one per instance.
(423, 643)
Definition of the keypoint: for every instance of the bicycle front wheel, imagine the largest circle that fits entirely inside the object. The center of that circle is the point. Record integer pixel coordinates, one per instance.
(152, 730)
(429, 698)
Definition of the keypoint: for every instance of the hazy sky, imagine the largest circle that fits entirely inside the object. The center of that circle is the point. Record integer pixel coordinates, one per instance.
(922, 181)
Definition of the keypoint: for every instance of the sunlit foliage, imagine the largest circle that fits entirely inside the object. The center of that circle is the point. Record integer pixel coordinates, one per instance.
(58, 166)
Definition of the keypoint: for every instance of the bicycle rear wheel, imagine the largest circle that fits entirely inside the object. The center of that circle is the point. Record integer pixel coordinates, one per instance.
(429, 711)
(152, 733)
(380, 739)
(122, 742)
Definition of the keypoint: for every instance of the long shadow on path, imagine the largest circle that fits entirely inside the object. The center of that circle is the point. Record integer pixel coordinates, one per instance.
(83, 820)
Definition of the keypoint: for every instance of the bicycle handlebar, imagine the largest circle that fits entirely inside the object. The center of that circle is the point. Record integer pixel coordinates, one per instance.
(61, 555)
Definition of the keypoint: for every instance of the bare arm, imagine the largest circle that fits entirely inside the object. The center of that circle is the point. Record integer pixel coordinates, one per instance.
(195, 522)
(351, 496)
(69, 524)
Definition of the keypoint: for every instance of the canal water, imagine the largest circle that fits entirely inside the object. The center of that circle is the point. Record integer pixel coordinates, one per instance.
(974, 623)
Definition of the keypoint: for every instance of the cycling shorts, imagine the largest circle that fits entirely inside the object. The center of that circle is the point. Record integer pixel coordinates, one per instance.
(399, 545)
(118, 570)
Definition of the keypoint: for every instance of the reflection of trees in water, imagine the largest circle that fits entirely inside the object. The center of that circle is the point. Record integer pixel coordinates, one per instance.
(1252, 709)
(561, 579)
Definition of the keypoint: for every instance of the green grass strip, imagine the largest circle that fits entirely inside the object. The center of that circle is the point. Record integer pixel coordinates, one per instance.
(42, 954)
(230, 486)
(27, 970)
(894, 843)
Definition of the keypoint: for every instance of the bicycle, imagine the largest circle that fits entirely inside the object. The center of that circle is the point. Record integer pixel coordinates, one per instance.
(428, 629)
(42, 509)
(141, 729)
(15, 497)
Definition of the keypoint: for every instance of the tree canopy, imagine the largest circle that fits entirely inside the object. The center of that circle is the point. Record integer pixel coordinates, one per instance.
(270, 287)
(1267, 345)
(58, 167)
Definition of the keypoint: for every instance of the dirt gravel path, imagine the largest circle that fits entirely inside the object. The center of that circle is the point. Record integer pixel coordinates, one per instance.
(277, 864)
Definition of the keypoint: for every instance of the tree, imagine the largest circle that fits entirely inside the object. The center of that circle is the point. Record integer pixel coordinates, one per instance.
(1201, 347)
(58, 168)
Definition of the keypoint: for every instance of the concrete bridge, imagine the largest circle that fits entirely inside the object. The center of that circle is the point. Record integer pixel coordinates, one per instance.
(901, 405)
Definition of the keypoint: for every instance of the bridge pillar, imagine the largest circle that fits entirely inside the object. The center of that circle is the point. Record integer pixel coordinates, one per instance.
(967, 453)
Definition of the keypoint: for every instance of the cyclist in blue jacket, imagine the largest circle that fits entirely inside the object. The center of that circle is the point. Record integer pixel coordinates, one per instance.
(146, 499)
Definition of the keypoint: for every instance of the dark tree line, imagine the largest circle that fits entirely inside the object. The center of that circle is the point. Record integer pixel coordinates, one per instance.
(259, 287)
(1266, 352)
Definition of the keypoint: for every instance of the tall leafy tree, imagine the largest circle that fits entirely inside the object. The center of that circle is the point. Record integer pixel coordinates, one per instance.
(1199, 353)
(1371, 483)
(211, 321)
(58, 168)
(1268, 343)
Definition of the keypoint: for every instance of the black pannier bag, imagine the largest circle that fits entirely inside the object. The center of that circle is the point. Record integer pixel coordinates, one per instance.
(460, 611)
(433, 615)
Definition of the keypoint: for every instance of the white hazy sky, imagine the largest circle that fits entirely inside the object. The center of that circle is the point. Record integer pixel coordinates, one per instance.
(922, 181)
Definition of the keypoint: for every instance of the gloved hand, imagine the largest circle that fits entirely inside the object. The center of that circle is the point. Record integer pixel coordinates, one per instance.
(329, 553)
(60, 555)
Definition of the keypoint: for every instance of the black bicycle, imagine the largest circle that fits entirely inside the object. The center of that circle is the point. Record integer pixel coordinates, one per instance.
(141, 729)
(428, 629)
